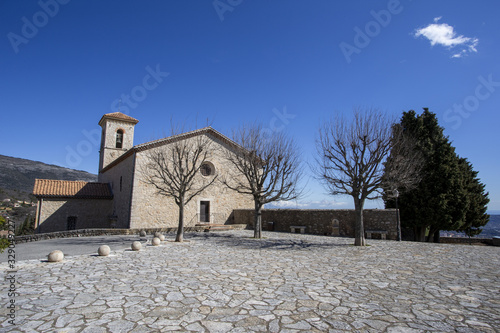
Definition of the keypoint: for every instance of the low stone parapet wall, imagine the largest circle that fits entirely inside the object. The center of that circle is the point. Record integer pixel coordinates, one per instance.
(335, 222)
(98, 232)
(465, 240)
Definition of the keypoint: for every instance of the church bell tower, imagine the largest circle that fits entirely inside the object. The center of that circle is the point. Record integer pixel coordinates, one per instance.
(117, 137)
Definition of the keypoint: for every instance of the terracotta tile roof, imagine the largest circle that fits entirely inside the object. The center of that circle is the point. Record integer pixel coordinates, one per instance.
(118, 116)
(71, 189)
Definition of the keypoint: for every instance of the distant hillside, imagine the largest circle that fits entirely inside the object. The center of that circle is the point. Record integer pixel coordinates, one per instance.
(19, 174)
(492, 228)
(17, 177)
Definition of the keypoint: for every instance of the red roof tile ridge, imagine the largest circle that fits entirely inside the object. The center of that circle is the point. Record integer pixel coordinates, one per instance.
(71, 188)
(118, 116)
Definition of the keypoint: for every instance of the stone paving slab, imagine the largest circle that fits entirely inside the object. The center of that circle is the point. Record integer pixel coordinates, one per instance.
(229, 282)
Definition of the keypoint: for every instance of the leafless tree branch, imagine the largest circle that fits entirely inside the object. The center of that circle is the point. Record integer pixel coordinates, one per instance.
(351, 155)
(173, 170)
(268, 168)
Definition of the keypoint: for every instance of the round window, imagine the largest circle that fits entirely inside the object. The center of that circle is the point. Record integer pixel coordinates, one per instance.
(207, 169)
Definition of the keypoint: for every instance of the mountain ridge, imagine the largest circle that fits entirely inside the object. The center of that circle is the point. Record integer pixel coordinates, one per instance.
(20, 174)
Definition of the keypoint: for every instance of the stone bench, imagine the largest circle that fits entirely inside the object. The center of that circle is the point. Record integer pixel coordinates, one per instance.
(382, 233)
(297, 229)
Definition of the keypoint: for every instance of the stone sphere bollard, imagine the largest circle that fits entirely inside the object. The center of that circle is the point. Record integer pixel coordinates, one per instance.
(143, 233)
(156, 241)
(55, 256)
(136, 246)
(160, 236)
(103, 250)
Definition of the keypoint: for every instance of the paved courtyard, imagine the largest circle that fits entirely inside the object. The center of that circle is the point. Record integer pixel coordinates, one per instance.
(229, 282)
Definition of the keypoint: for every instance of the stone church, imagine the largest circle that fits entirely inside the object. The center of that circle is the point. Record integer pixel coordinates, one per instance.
(122, 199)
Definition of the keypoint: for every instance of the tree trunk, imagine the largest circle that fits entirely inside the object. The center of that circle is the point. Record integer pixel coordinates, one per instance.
(433, 236)
(430, 236)
(437, 236)
(359, 229)
(257, 224)
(420, 234)
(180, 228)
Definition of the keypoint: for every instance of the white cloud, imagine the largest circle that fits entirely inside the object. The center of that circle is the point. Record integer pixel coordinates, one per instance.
(459, 54)
(445, 35)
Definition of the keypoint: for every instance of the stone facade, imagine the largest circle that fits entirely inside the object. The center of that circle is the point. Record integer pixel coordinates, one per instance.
(338, 222)
(152, 210)
(110, 127)
(121, 178)
(138, 205)
(84, 213)
(134, 203)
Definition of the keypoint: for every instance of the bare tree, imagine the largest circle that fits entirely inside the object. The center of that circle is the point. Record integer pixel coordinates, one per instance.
(351, 156)
(403, 165)
(268, 168)
(173, 167)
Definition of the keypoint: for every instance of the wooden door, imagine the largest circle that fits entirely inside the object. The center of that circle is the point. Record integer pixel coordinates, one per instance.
(204, 211)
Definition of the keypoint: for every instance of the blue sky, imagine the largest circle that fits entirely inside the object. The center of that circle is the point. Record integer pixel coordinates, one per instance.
(289, 64)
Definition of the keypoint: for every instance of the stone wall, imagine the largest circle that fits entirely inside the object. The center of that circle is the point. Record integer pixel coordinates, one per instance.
(151, 210)
(89, 213)
(120, 178)
(99, 232)
(465, 240)
(109, 152)
(336, 222)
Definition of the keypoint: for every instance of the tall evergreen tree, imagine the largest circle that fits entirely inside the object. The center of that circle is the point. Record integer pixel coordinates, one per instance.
(477, 201)
(449, 196)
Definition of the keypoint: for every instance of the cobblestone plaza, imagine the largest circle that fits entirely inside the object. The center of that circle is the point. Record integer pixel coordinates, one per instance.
(230, 282)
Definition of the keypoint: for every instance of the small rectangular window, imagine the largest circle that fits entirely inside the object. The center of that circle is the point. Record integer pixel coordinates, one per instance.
(119, 139)
(204, 211)
(71, 223)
